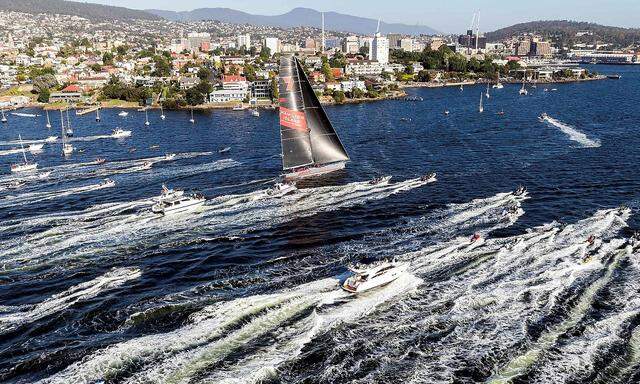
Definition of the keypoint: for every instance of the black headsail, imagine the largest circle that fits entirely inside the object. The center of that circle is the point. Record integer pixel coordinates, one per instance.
(306, 132)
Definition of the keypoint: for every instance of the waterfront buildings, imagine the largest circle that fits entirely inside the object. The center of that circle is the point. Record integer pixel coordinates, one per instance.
(379, 50)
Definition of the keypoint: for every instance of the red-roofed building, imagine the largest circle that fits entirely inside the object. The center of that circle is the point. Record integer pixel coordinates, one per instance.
(233, 79)
(73, 88)
(337, 73)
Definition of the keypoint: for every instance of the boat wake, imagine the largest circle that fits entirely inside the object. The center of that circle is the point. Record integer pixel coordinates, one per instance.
(12, 318)
(573, 133)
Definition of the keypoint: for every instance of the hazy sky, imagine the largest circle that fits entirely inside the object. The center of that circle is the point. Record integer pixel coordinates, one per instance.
(443, 15)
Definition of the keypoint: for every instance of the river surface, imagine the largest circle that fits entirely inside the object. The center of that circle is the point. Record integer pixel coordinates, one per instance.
(95, 288)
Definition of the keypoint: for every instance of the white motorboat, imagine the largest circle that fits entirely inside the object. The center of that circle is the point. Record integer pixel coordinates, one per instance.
(224, 150)
(123, 114)
(543, 117)
(120, 133)
(169, 156)
(429, 177)
(147, 165)
(97, 161)
(51, 139)
(281, 189)
(255, 112)
(107, 183)
(168, 193)
(35, 147)
(67, 149)
(375, 276)
(178, 204)
(446, 112)
(26, 166)
(498, 85)
(238, 107)
(521, 191)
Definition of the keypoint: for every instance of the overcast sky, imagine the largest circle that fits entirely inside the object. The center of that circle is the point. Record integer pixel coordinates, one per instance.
(446, 16)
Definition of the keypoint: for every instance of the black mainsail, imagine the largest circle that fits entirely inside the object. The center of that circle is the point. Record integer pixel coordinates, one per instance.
(307, 136)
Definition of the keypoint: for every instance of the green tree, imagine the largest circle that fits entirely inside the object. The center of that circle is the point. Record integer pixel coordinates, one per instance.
(204, 73)
(44, 95)
(121, 50)
(423, 76)
(339, 97)
(107, 58)
(265, 54)
(326, 71)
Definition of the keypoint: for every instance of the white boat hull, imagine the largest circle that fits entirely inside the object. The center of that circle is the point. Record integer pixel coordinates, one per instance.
(313, 171)
(186, 206)
(351, 286)
(24, 167)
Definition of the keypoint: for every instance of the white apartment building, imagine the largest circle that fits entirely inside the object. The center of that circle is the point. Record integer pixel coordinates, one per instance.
(273, 43)
(364, 68)
(350, 45)
(243, 41)
(379, 49)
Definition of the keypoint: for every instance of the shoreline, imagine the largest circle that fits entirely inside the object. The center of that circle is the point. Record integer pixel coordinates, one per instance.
(511, 81)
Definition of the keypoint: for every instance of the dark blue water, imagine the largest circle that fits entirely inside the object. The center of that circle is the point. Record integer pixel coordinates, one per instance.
(88, 273)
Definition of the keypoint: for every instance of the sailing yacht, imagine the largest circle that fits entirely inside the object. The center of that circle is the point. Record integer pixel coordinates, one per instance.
(498, 85)
(146, 118)
(26, 166)
(4, 118)
(162, 116)
(98, 114)
(67, 149)
(481, 108)
(48, 121)
(487, 93)
(523, 90)
(310, 144)
(191, 120)
(69, 131)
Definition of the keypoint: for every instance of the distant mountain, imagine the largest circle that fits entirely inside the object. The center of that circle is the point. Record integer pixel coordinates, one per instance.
(87, 10)
(297, 17)
(565, 33)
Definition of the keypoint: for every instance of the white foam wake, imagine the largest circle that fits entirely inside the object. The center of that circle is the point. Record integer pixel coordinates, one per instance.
(10, 320)
(573, 133)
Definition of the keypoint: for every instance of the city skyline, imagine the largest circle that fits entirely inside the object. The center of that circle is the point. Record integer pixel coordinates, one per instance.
(450, 17)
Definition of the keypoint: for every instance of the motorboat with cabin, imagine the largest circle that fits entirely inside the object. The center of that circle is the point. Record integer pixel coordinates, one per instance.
(107, 183)
(281, 189)
(374, 276)
(119, 133)
(310, 145)
(175, 204)
(168, 193)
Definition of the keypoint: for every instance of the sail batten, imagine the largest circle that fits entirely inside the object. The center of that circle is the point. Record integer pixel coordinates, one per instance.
(306, 134)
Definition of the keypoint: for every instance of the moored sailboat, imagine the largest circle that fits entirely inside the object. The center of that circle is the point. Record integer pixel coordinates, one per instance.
(146, 118)
(48, 121)
(26, 166)
(4, 118)
(481, 108)
(67, 149)
(310, 144)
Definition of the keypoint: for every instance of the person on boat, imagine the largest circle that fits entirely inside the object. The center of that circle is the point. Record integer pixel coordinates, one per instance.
(428, 176)
(375, 180)
(521, 190)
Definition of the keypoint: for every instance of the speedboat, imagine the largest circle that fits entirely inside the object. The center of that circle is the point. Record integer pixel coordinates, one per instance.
(98, 161)
(169, 156)
(255, 112)
(543, 117)
(376, 180)
(51, 139)
(375, 276)
(431, 176)
(120, 133)
(225, 149)
(446, 112)
(35, 147)
(512, 212)
(281, 189)
(520, 191)
(106, 183)
(168, 193)
(123, 114)
(498, 86)
(147, 165)
(178, 204)
(238, 107)
(25, 167)
(67, 149)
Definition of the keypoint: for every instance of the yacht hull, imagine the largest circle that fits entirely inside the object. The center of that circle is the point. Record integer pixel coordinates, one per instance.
(314, 171)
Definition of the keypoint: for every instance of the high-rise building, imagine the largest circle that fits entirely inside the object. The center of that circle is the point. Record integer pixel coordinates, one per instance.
(310, 43)
(197, 38)
(273, 43)
(379, 50)
(243, 41)
(394, 40)
(541, 48)
(523, 47)
(406, 44)
(350, 45)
